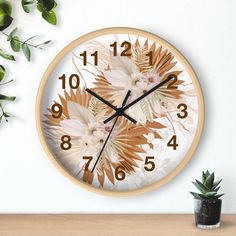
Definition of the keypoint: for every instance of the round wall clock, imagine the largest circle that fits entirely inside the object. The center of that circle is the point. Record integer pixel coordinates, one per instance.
(120, 111)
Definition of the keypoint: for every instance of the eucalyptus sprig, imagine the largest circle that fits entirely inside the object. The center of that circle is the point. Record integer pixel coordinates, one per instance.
(45, 7)
(3, 113)
(17, 44)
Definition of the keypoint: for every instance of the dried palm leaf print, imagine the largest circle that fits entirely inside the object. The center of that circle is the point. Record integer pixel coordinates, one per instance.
(83, 115)
(82, 119)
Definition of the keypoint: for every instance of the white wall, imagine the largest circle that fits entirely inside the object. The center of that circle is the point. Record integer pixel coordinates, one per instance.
(204, 31)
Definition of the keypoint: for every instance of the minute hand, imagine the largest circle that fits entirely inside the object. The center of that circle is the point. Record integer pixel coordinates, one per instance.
(141, 97)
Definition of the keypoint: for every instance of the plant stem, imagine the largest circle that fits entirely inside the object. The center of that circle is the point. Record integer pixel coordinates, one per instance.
(6, 82)
(3, 113)
(30, 45)
(1, 108)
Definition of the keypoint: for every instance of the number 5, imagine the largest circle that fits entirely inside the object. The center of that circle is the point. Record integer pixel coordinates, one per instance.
(149, 165)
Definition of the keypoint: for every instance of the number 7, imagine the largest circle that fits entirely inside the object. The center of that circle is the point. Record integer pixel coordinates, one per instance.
(89, 158)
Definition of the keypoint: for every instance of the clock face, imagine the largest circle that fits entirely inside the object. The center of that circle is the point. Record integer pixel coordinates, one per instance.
(120, 110)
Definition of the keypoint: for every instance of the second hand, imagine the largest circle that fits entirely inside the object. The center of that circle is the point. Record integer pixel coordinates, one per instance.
(108, 136)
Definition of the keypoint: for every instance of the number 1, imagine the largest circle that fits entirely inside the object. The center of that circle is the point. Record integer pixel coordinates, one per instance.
(85, 61)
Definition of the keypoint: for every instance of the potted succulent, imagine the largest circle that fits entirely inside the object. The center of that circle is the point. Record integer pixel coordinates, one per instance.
(207, 205)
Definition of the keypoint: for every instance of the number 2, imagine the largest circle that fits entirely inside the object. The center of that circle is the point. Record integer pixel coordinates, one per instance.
(172, 82)
(126, 45)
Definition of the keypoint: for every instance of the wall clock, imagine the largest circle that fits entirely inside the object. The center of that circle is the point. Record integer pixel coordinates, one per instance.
(120, 111)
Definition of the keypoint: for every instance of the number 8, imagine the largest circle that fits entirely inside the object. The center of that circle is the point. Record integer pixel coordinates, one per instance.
(66, 145)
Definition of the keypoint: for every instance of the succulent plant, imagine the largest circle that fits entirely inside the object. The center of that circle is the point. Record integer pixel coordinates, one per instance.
(208, 187)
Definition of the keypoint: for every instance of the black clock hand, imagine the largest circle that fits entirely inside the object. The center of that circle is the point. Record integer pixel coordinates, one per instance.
(140, 98)
(101, 99)
(119, 111)
(108, 136)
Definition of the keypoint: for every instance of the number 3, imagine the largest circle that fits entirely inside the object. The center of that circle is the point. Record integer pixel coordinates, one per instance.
(183, 108)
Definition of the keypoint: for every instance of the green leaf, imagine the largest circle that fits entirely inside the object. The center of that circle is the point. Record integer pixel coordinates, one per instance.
(215, 189)
(55, 5)
(13, 32)
(7, 114)
(207, 173)
(196, 195)
(5, 14)
(7, 98)
(203, 196)
(47, 5)
(40, 7)
(27, 4)
(219, 195)
(30, 38)
(210, 194)
(5, 7)
(216, 184)
(26, 51)
(5, 21)
(209, 180)
(203, 177)
(15, 44)
(2, 72)
(6, 56)
(200, 186)
(50, 17)
(44, 43)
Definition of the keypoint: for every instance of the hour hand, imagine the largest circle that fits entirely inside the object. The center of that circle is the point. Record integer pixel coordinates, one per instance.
(101, 99)
(119, 111)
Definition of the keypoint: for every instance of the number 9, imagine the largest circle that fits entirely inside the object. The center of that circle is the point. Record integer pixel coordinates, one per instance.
(56, 110)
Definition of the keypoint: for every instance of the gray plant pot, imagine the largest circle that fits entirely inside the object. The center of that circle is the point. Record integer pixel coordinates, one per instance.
(207, 213)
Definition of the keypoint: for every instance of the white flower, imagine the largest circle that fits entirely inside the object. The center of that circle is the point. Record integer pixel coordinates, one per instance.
(83, 124)
(125, 75)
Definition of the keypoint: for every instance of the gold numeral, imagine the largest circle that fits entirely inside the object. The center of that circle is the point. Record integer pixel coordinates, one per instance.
(66, 144)
(173, 142)
(56, 110)
(85, 61)
(126, 51)
(149, 164)
(74, 81)
(119, 173)
(183, 108)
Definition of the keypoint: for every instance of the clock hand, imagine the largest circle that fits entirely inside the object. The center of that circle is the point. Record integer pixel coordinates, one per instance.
(108, 136)
(139, 98)
(119, 111)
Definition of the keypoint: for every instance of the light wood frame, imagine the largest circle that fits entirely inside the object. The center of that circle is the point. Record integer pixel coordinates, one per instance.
(181, 58)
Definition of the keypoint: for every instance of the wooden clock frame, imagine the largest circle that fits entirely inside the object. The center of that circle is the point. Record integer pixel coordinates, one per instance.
(181, 58)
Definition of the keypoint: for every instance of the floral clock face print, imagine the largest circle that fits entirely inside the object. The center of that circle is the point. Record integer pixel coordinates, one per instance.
(120, 111)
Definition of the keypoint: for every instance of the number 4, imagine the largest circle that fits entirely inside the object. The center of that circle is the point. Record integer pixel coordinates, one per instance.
(172, 142)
